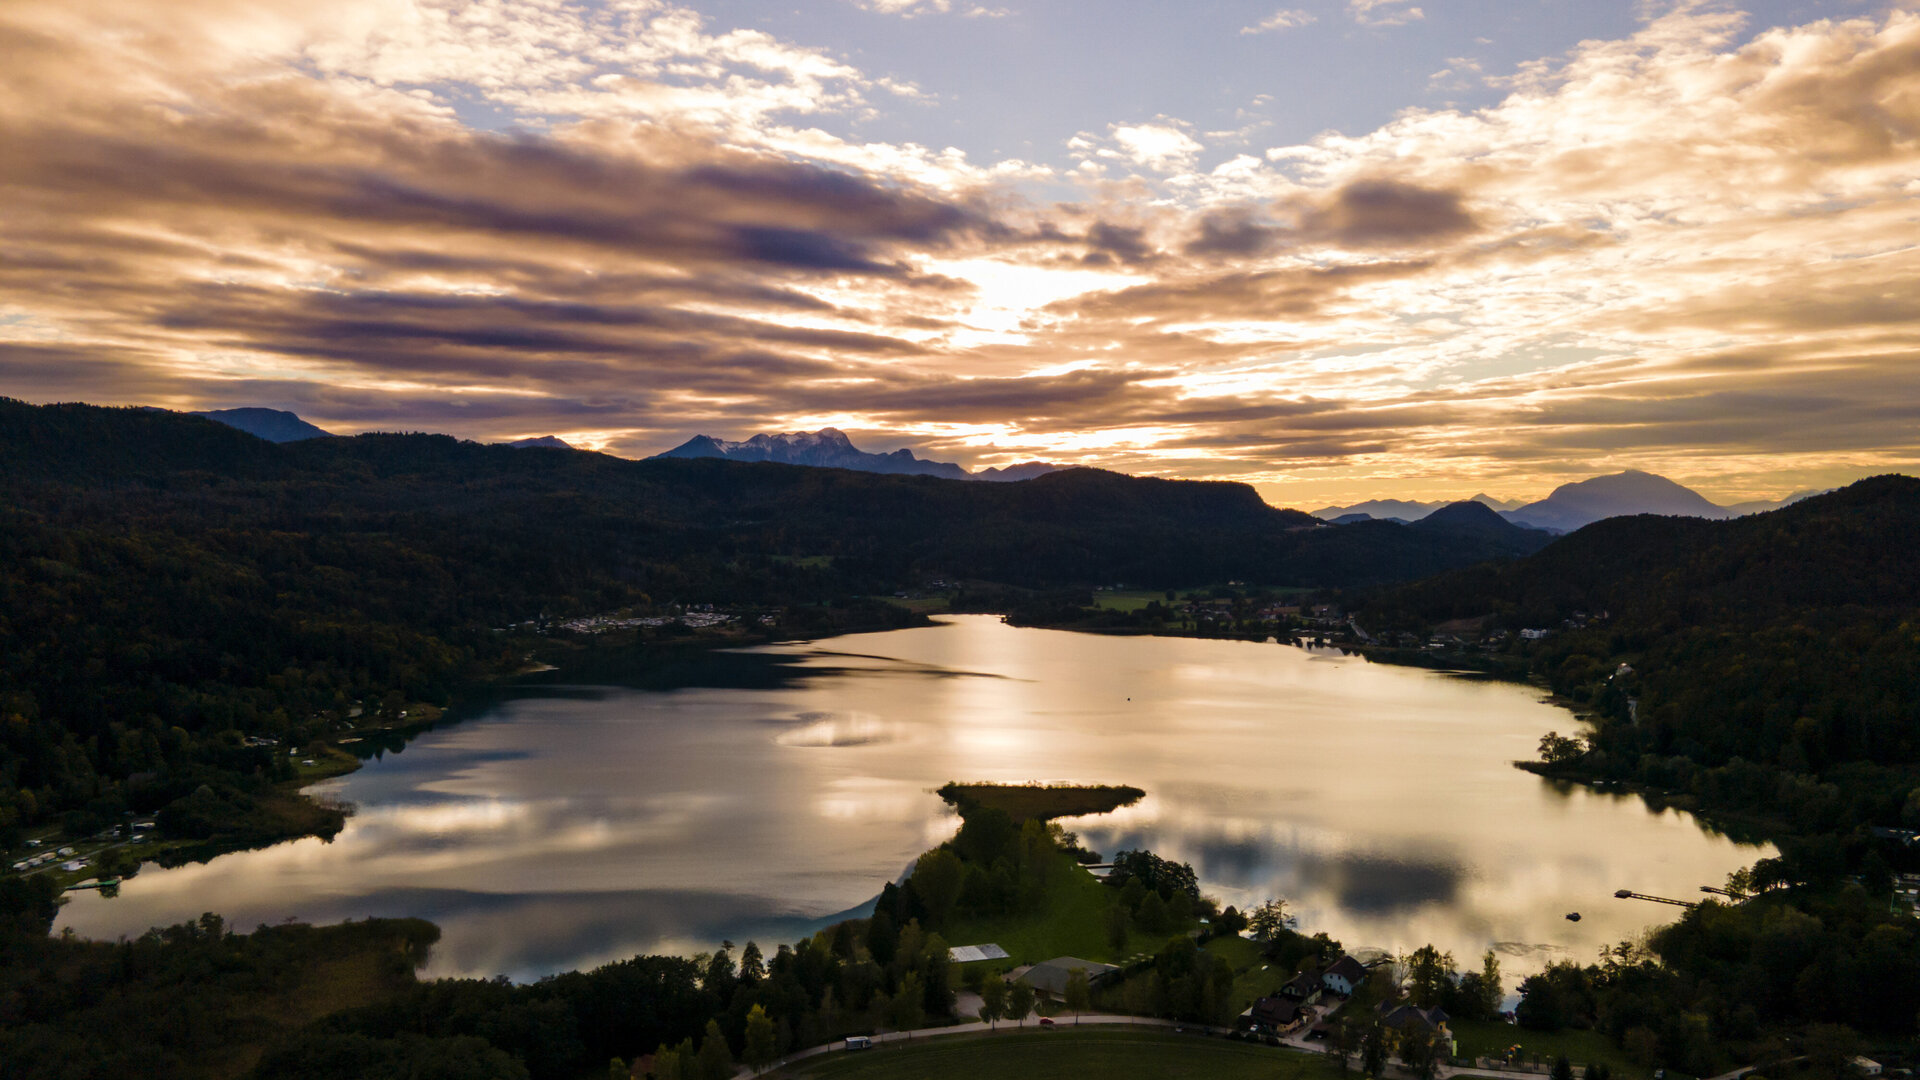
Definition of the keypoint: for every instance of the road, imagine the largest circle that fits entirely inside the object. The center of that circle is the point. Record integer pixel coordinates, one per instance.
(1299, 1044)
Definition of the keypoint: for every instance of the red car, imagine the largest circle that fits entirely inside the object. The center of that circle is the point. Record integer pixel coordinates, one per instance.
(1046, 1021)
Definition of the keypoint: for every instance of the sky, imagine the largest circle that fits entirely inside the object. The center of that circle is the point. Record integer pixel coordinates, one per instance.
(1338, 250)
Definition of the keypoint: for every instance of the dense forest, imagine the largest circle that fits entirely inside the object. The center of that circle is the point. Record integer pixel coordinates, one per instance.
(1767, 666)
(1764, 669)
(174, 592)
(295, 1002)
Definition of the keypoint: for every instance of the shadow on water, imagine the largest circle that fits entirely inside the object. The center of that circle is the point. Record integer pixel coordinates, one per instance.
(644, 667)
(1743, 833)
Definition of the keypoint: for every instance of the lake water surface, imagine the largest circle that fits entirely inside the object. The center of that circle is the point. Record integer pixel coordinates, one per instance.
(629, 806)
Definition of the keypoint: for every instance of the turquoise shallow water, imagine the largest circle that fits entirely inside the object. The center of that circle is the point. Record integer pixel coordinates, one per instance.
(586, 815)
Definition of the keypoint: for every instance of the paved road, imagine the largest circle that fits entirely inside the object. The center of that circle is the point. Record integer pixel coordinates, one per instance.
(977, 1028)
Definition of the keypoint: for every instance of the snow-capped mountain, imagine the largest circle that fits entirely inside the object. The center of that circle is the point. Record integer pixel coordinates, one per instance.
(830, 448)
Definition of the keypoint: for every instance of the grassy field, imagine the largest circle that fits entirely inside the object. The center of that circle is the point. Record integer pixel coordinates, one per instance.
(1071, 923)
(1253, 977)
(1487, 1039)
(1023, 801)
(1106, 1053)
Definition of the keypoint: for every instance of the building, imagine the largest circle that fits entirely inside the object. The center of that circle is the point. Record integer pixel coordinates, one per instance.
(1304, 988)
(1344, 976)
(1050, 978)
(1276, 1014)
(1406, 1021)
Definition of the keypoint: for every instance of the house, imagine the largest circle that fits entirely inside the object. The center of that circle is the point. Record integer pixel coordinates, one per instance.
(1276, 1014)
(1304, 988)
(1404, 1017)
(1866, 1066)
(1050, 978)
(1408, 1021)
(1344, 976)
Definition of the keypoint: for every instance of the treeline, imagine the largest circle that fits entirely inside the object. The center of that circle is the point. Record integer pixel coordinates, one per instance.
(170, 587)
(1768, 665)
(186, 1000)
(1774, 977)
(1767, 669)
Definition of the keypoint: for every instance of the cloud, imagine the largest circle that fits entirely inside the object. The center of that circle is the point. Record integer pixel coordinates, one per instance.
(1686, 251)
(1161, 147)
(1384, 12)
(1284, 19)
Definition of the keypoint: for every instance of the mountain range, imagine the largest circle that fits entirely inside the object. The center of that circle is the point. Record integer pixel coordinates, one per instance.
(1572, 506)
(830, 448)
(1568, 508)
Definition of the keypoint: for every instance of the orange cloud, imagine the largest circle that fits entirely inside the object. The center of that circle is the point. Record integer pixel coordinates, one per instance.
(1688, 251)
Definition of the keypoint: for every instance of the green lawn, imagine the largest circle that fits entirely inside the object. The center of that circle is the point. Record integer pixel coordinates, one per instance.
(1107, 1053)
(1488, 1039)
(1250, 980)
(1071, 922)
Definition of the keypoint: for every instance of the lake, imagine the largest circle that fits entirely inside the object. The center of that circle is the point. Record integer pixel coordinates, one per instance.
(638, 804)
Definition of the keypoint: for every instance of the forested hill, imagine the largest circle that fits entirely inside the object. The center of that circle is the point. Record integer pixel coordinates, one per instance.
(671, 525)
(1775, 659)
(171, 587)
(1847, 548)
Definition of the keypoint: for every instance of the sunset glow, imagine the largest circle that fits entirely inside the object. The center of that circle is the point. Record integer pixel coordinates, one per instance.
(1340, 251)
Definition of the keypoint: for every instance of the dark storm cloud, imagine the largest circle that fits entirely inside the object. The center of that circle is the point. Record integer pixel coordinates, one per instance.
(1235, 233)
(1386, 213)
(1290, 293)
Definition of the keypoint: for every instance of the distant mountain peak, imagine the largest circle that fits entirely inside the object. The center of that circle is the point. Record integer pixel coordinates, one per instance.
(831, 448)
(546, 442)
(1630, 491)
(273, 425)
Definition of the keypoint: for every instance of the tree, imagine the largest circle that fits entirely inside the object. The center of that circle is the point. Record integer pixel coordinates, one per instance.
(715, 1060)
(1429, 976)
(993, 1001)
(668, 1065)
(1269, 919)
(1079, 994)
(1562, 1069)
(1420, 1053)
(759, 1048)
(1557, 749)
(1492, 993)
(1020, 1002)
(1340, 1043)
(1830, 1049)
(937, 877)
(909, 1006)
(753, 966)
(1229, 923)
(1373, 1049)
(1153, 914)
(617, 1069)
(1117, 927)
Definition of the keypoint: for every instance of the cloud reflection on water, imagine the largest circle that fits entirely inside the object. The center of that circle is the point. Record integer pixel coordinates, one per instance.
(587, 815)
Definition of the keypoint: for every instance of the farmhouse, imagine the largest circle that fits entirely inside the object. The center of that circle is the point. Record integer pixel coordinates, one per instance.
(1344, 976)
